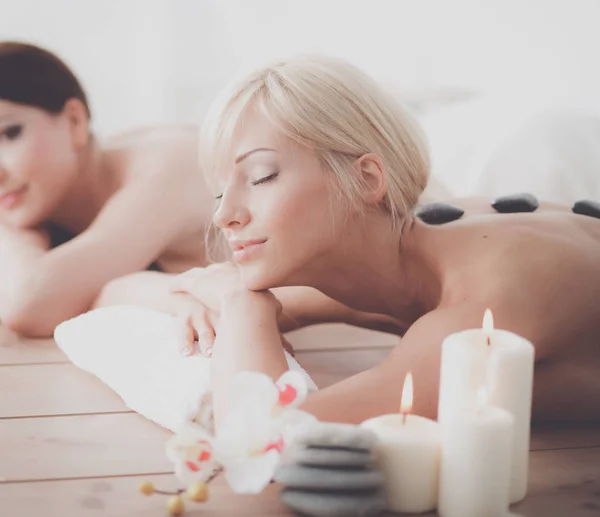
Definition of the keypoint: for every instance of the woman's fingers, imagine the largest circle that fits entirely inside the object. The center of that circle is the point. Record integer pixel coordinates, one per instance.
(187, 337)
(203, 327)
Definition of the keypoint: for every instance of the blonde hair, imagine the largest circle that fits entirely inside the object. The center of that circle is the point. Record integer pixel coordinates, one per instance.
(336, 110)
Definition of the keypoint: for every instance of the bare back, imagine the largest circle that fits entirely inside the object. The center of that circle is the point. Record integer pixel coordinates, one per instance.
(174, 150)
(540, 273)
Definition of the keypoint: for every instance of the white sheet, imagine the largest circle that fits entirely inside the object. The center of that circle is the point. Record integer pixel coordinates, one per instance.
(135, 351)
(500, 145)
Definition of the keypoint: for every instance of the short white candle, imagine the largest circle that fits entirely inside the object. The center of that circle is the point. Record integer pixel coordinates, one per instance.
(408, 455)
(503, 362)
(475, 464)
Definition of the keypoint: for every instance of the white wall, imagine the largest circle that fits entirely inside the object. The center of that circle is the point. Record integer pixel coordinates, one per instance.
(145, 61)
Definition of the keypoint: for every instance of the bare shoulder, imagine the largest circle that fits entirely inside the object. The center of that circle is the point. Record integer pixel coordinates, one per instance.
(168, 151)
(437, 324)
(162, 162)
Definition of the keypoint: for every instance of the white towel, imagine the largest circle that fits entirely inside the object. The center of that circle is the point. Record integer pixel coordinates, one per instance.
(135, 351)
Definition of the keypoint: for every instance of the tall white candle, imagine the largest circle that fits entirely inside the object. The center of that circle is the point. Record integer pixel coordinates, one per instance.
(408, 454)
(503, 362)
(475, 464)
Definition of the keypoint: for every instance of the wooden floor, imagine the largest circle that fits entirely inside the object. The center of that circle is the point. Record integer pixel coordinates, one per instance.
(70, 448)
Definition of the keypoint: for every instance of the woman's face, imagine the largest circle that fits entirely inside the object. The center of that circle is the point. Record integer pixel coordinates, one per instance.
(274, 206)
(38, 163)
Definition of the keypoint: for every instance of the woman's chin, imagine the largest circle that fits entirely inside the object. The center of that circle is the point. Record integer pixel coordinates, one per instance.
(258, 277)
(21, 219)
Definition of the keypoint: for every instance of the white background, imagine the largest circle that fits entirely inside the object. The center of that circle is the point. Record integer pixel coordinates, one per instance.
(163, 61)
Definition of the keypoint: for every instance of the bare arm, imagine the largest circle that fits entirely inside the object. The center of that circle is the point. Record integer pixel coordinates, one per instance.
(20, 251)
(378, 390)
(128, 234)
(252, 344)
(304, 306)
(247, 339)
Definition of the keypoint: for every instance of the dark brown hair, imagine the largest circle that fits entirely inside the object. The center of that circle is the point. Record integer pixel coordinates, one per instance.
(35, 77)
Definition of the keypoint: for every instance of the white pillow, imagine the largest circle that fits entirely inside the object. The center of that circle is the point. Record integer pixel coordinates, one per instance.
(135, 351)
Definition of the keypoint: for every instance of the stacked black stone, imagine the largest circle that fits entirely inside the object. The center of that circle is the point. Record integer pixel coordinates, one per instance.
(331, 472)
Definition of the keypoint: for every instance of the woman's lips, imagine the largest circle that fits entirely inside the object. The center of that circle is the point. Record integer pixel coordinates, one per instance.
(247, 251)
(11, 199)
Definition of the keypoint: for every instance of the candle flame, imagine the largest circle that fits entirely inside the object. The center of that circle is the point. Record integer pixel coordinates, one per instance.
(482, 397)
(407, 395)
(488, 322)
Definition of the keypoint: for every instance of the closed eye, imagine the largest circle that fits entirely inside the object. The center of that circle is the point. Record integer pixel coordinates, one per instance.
(12, 132)
(265, 179)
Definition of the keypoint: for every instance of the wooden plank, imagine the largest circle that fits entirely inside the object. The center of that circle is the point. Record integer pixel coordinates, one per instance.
(16, 350)
(63, 389)
(561, 483)
(566, 436)
(338, 336)
(327, 368)
(116, 497)
(53, 389)
(81, 446)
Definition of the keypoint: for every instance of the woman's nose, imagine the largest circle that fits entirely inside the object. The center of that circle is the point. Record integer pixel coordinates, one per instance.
(232, 212)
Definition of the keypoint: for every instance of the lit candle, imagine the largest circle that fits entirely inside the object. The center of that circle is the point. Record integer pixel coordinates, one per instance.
(475, 463)
(503, 362)
(408, 455)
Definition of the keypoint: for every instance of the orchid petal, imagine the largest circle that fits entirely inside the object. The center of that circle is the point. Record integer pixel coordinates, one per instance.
(201, 472)
(292, 389)
(252, 389)
(243, 432)
(293, 422)
(252, 474)
(192, 452)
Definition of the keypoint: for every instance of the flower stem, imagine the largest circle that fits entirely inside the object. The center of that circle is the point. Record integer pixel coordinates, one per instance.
(214, 475)
(166, 492)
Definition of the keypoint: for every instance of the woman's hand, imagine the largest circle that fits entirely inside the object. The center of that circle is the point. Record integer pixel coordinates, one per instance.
(210, 285)
(207, 290)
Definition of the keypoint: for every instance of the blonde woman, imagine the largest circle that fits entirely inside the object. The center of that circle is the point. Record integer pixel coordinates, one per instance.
(316, 173)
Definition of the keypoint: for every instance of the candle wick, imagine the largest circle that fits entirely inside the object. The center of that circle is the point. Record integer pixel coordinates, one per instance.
(404, 418)
(489, 341)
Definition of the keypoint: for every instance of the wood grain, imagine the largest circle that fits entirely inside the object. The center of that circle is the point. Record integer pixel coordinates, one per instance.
(14, 350)
(53, 389)
(565, 436)
(336, 336)
(562, 483)
(119, 497)
(81, 446)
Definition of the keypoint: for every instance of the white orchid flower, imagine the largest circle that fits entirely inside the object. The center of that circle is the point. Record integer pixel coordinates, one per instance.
(191, 450)
(262, 421)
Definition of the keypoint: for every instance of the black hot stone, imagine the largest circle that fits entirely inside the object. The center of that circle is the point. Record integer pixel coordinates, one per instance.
(516, 204)
(585, 207)
(439, 213)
